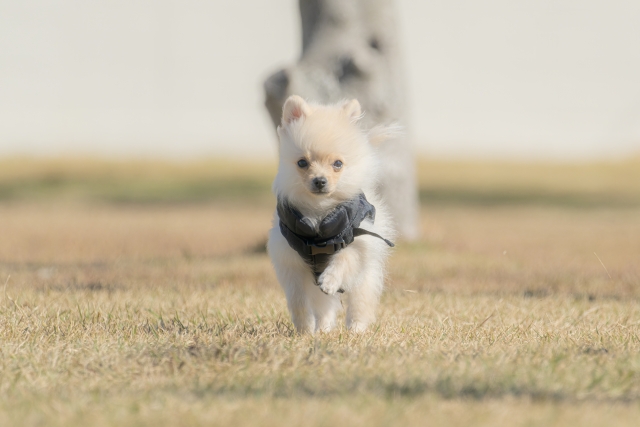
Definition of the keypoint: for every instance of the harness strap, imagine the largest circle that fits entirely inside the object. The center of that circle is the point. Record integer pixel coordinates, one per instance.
(362, 231)
(309, 248)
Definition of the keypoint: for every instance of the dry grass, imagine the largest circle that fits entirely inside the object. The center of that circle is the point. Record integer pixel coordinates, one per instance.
(163, 310)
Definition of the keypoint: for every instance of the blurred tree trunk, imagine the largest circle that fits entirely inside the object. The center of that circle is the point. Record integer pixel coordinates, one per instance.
(350, 49)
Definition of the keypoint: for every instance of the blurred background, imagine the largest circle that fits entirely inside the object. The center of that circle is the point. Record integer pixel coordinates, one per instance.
(496, 79)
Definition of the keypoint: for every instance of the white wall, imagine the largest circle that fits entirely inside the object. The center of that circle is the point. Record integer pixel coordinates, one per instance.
(501, 78)
(544, 78)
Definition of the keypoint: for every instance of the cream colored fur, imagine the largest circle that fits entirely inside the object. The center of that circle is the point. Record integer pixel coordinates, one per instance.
(321, 135)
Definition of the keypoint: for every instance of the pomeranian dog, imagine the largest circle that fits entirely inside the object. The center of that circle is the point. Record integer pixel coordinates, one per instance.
(330, 230)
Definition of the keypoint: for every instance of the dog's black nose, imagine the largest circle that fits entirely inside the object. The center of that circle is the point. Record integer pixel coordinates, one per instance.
(320, 182)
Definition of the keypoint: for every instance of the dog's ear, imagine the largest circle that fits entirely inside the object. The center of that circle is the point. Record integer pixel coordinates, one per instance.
(352, 109)
(380, 134)
(294, 108)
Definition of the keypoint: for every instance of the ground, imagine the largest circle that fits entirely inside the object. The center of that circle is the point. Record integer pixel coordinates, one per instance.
(140, 294)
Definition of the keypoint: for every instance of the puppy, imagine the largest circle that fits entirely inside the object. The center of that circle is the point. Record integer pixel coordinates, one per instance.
(331, 229)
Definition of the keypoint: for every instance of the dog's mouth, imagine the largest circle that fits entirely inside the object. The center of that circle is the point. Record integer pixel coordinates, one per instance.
(320, 192)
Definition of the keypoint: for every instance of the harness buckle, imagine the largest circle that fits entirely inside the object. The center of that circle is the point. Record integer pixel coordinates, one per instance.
(324, 248)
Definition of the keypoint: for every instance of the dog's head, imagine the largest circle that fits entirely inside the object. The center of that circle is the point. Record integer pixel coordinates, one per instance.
(325, 157)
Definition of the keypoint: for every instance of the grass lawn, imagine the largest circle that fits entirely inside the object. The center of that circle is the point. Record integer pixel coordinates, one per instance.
(139, 294)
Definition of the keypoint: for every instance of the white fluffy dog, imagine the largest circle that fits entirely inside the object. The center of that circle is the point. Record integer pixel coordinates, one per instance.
(331, 228)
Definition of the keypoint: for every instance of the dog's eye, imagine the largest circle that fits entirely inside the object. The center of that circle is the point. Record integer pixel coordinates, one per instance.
(302, 163)
(337, 164)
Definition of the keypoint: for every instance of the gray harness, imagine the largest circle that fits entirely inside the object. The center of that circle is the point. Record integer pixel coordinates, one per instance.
(316, 245)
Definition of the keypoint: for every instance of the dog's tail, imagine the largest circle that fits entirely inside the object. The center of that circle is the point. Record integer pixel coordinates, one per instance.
(383, 133)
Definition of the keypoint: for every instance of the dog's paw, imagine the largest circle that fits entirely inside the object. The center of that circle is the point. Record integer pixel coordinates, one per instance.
(357, 327)
(329, 282)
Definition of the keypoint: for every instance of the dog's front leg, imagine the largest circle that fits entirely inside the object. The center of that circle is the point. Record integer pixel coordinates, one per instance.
(296, 280)
(298, 285)
(343, 264)
(297, 292)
